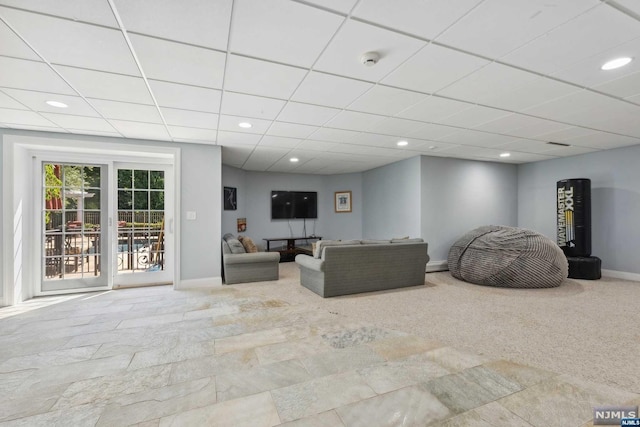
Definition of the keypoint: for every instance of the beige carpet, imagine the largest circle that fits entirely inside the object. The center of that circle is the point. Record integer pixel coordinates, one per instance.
(588, 329)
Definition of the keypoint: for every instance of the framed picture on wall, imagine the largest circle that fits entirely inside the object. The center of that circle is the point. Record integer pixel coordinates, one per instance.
(230, 199)
(342, 201)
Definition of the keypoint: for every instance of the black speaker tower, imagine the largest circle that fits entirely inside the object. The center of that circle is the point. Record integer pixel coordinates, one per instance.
(574, 227)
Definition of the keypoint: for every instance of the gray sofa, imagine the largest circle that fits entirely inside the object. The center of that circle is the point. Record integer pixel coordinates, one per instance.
(242, 267)
(363, 266)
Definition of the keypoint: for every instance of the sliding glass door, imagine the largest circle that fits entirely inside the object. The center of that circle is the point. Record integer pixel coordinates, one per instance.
(73, 219)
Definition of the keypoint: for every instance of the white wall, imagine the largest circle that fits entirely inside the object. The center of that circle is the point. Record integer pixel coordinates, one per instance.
(460, 195)
(615, 201)
(391, 196)
(200, 191)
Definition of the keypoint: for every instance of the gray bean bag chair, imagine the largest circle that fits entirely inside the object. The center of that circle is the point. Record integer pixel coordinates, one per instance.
(509, 257)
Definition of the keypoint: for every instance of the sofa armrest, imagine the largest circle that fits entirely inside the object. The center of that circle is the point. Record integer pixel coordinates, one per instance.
(310, 262)
(251, 258)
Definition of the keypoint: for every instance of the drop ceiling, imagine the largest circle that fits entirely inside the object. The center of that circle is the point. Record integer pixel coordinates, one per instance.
(467, 79)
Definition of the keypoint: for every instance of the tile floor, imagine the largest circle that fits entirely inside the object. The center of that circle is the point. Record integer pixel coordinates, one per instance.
(157, 357)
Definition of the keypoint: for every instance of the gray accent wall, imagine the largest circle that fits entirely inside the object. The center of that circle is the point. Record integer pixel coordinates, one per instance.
(392, 204)
(460, 195)
(254, 204)
(615, 201)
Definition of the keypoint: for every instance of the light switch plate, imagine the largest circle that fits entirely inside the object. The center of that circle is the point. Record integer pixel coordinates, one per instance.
(191, 215)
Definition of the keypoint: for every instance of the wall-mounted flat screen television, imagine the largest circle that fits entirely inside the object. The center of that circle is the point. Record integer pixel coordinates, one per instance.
(294, 204)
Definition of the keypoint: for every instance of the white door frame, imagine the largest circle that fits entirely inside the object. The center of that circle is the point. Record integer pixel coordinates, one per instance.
(17, 254)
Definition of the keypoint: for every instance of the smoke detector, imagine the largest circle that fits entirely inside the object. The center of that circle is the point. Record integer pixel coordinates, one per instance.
(370, 59)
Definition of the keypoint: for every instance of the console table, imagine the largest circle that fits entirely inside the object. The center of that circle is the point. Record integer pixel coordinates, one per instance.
(291, 244)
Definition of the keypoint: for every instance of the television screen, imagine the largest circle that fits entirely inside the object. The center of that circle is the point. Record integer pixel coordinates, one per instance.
(294, 204)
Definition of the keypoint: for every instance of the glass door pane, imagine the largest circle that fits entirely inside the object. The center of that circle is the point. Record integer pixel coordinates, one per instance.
(73, 217)
(141, 232)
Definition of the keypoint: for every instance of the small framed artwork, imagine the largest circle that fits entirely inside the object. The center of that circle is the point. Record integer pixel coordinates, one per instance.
(242, 225)
(343, 201)
(230, 199)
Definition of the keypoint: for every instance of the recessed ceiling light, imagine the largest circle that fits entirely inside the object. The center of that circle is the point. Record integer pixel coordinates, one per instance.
(505, 154)
(432, 147)
(616, 63)
(402, 143)
(245, 125)
(293, 159)
(57, 104)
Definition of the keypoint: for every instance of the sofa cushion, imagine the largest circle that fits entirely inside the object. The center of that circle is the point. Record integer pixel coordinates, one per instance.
(227, 237)
(235, 246)
(407, 240)
(324, 243)
(375, 242)
(248, 244)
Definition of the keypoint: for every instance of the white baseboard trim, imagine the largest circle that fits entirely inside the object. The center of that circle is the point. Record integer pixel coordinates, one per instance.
(433, 266)
(621, 275)
(206, 283)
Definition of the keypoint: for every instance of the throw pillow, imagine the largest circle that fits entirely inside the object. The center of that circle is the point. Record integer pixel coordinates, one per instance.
(235, 246)
(248, 244)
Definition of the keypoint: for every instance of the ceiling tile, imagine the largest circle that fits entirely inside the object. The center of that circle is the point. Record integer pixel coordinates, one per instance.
(603, 141)
(525, 146)
(230, 123)
(352, 120)
(432, 131)
(569, 151)
(433, 147)
(384, 141)
(79, 122)
(434, 109)
(343, 6)
(22, 117)
(295, 112)
(141, 130)
(632, 5)
(332, 91)
(12, 45)
(423, 18)
(179, 63)
(23, 74)
(518, 158)
(386, 100)
(624, 87)
(521, 125)
(434, 68)
(488, 82)
(37, 102)
(588, 72)
(479, 139)
(496, 27)
(279, 141)
(291, 130)
(193, 134)
(66, 42)
(314, 145)
(126, 111)
(202, 22)
(466, 151)
(237, 138)
(396, 126)
(576, 40)
(7, 102)
(342, 56)
(334, 135)
(94, 11)
(238, 104)
(281, 30)
(113, 134)
(96, 84)
(263, 157)
(235, 155)
(530, 94)
(474, 116)
(570, 106)
(192, 119)
(566, 133)
(51, 128)
(262, 78)
(185, 97)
